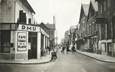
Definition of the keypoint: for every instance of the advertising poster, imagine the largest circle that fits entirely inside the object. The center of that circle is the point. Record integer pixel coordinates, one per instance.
(21, 41)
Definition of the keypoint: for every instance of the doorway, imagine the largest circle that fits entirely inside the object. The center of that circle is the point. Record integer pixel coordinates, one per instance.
(32, 39)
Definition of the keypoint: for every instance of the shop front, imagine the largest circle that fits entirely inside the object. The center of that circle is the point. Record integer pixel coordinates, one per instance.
(22, 42)
(44, 43)
(27, 42)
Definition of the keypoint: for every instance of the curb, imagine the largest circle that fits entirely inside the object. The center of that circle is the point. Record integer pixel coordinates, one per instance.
(27, 63)
(95, 58)
(48, 61)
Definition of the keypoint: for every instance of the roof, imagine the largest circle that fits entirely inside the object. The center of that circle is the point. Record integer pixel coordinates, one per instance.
(43, 25)
(51, 26)
(94, 4)
(86, 8)
(84, 11)
(26, 3)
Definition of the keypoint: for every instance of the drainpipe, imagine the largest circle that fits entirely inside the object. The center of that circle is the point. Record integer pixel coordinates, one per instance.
(106, 46)
(0, 10)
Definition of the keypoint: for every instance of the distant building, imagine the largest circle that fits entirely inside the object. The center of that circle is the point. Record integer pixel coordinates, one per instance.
(45, 42)
(52, 29)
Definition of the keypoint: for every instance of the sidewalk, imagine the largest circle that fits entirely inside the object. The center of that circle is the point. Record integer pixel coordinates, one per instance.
(99, 57)
(41, 60)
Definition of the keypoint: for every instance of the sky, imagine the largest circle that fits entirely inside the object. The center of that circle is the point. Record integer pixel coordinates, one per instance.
(66, 13)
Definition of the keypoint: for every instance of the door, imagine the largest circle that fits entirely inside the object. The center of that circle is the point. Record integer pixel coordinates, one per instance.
(32, 52)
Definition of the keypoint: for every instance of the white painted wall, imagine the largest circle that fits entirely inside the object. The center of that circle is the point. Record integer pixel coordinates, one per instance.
(7, 11)
(19, 6)
(22, 55)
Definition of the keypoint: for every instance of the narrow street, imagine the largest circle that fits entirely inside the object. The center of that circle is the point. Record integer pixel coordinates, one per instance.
(71, 62)
(33, 32)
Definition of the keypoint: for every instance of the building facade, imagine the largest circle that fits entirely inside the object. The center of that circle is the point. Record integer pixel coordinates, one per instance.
(52, 36)
(82, 30)
(45, 42)
(97, 31)
(16, 11)
(92, 27)
(20, 37)
(88, 30)
(105, 19)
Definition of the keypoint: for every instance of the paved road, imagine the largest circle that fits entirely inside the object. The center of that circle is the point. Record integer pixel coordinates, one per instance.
(72, 62)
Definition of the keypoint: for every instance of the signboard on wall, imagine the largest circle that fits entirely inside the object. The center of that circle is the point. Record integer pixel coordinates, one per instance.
(28, 28)
(21, 41)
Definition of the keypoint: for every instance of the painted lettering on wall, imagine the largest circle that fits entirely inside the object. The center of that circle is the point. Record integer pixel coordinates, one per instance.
(28, 28)
(21, 41)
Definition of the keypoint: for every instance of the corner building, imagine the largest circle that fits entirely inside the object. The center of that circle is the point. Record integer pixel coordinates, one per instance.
(20, 37)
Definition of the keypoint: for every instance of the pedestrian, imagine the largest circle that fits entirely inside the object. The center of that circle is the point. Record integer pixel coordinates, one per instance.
(63, 49)
(49, 49)
(53, 55)
(67, 49)
(73, 49)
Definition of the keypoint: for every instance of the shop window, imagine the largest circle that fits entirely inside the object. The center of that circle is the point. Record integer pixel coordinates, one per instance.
(4, 41)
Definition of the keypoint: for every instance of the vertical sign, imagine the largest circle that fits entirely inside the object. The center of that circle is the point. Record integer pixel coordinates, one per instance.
(21, 41)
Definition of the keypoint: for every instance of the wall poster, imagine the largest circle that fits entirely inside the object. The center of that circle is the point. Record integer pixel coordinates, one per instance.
(21, 41)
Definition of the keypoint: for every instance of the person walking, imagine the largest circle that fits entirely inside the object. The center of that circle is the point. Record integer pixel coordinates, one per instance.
(73, 49)
(67, 49)
(63, 49)
(53, 55)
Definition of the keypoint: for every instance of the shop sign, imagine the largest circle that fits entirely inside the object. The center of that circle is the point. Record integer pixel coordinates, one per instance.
(28, 28)
(21, 41)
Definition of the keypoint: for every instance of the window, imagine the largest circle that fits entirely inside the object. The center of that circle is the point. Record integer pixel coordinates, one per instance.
(4, 41)
(29, 20)
(101, 8)
(105, 6)
(22, 17)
